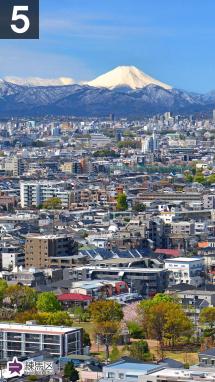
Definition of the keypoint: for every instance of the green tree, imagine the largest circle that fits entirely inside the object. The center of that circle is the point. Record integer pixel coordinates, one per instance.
(3, 287)
(164, 320)
(135, 330)
(45, 318)
(78, 313)
(106, 316)
(140, 351)
(207, 317)
(86, 339)
(177, 324)
(139, 207)
(159, 297)
(106, 153)
(114, 354)
(211, 179)
(188, 178)
(199, 178)
(28, 315)
(52, 203)
(121, 200)
(55, 318)
(20, 297)
(70, 373)
(105, 310)
(48, 302)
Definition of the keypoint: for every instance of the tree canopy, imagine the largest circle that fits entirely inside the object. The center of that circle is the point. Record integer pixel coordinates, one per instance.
(121, 200)
(105, 310)
(70, 373)
(106, 315)
(106, 153)
(48, 302)
(140, 351)
(21, 297)
(52, 203)
(207, 317)
(139, 207)
(164, 319)
(3, 287)
(45, 318)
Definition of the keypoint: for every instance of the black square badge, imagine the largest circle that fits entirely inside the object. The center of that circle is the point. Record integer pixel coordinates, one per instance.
(19, 19)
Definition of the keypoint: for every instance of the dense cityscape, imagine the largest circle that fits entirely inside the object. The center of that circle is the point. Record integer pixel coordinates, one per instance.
(108, 247)
(107, 191)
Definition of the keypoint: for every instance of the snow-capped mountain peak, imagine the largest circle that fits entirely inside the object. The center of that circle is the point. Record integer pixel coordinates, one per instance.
(126, 76)
(38, 81)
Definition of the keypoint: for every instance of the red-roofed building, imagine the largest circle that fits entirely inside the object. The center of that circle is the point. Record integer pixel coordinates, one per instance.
(69, 300)
(168, 252)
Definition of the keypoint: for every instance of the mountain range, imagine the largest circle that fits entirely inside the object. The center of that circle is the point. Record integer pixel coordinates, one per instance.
(125, 91)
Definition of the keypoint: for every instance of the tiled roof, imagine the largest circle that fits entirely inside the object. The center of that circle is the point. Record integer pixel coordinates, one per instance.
(74, 297)
(168, 252)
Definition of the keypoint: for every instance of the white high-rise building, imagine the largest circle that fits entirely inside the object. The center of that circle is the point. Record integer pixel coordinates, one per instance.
(36, 193)
(149, 144)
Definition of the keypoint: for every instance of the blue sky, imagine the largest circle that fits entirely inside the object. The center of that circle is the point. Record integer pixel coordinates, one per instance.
(172, 40)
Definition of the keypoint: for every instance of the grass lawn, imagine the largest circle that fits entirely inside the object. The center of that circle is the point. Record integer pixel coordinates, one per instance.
(182, 356)
(87, 326)
(191, 358)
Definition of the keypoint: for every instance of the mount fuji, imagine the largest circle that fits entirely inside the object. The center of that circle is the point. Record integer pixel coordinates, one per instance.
(125, 91)
(126, 77)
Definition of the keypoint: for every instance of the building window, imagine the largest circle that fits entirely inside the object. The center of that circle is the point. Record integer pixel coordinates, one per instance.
(14, 336)
(111, 375)
(131, 376)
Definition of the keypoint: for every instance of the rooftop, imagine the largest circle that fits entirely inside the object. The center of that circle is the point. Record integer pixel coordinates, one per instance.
(168, 252)
(135, 368)
(47, 237)
(74, 297)
(185, 259)
(32, 328)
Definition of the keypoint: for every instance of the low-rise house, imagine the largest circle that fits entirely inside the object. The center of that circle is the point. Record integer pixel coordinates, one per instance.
(71, 300)
(193, 299)
(127, 370)
(207, 358)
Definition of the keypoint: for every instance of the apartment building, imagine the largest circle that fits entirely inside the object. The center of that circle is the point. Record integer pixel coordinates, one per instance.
(209, 201)
(12, 259)
(36, 193)
(185, 270)
(168, 197)
(26, 339)
(50, 251)
(11, 256)
(14, 166)
(184, 228)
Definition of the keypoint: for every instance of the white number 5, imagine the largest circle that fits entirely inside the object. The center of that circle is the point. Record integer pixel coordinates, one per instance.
(19, 16)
